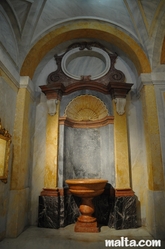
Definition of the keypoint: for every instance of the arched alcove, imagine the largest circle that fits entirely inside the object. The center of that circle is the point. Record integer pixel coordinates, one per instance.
(87, 138)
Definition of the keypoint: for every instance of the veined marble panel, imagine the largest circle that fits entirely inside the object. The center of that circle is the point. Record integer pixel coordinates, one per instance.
(87, 154)
(49, 212)
(125, 212)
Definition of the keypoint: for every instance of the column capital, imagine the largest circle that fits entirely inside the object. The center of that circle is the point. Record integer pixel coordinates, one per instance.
(25, 82)
(154, 78)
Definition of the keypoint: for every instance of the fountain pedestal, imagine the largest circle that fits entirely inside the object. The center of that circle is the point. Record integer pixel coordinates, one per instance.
(86, 222)
(86, 189)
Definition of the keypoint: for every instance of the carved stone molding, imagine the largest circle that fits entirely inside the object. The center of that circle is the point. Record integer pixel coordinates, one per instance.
(124, 192)
(86, 124)
(50, 192)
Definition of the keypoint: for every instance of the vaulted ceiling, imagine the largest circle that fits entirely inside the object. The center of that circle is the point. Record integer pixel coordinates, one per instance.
(27, 24)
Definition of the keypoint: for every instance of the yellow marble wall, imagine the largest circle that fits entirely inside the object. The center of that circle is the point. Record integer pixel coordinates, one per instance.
(152, 136)
(51, 170)
(121, 150)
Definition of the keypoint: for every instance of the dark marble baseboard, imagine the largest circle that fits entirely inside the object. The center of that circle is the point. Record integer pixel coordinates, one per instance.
(48, 212)
(115, 212)
(124, 215)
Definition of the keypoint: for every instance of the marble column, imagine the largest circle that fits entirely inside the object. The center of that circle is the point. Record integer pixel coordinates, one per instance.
(49, 201)
(152, 92)
(20, 193)
(124, 213)
(152, 135)
(121, 147)
(51, 167)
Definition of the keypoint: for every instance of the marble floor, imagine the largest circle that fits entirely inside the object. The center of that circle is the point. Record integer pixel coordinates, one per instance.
(43, 238)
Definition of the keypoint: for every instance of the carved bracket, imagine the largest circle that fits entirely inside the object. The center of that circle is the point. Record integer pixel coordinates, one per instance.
(52, 106)
(120, 105)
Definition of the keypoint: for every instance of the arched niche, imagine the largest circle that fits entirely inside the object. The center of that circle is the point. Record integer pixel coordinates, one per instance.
(86, 145)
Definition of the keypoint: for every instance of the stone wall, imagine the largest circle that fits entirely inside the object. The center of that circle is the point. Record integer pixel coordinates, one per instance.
(8, 96)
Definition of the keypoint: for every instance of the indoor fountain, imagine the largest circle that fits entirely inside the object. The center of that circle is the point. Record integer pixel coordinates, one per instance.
(86, 189)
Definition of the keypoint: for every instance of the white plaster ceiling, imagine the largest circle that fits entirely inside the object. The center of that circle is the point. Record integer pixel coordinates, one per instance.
(24, 22)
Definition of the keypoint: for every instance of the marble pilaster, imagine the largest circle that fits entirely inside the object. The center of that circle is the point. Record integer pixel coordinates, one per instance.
(121, 151)
(19, 194)
(152, 89)
(152, 136)
(52, 129)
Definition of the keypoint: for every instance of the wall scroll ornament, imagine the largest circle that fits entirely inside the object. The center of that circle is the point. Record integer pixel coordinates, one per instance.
(52, 106)
(5, 140)
(120, 105)
(111, 81)
(110, 73)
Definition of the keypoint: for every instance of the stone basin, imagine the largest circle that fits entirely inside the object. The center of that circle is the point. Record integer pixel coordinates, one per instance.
(86, 189)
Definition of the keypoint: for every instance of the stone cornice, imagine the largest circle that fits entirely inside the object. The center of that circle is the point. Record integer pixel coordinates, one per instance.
(25, 82)
(154, 78)
(86, 124)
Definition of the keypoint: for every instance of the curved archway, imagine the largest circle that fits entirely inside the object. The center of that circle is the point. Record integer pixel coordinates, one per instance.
(92, 29)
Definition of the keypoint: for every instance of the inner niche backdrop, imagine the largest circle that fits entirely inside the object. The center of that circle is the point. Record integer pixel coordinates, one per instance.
(88, 152)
